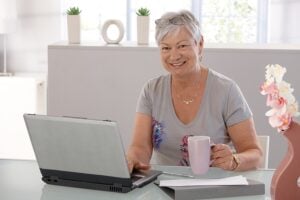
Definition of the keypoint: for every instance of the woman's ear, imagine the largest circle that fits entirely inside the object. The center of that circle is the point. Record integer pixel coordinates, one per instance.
(201, 43)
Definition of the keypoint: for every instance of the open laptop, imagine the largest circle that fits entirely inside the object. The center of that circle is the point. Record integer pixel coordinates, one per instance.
(82, 153)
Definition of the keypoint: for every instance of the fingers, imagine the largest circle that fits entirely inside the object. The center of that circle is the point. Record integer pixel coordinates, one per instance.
(222, 157)
(130, 165)
(142, 166)
(134, 164)
(220, 151)
(225, 164)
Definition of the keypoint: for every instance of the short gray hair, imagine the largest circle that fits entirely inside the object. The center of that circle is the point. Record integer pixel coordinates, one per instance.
(171, 21)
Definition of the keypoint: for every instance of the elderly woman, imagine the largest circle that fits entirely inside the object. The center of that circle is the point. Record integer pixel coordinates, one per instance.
(191, 100)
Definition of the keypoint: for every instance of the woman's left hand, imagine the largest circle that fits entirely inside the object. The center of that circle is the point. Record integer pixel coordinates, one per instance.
(222, 157)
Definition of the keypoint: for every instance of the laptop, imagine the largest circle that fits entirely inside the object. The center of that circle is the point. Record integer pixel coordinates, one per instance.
(83, 153)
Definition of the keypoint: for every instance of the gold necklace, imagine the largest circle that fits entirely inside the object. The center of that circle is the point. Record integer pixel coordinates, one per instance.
(189, 99)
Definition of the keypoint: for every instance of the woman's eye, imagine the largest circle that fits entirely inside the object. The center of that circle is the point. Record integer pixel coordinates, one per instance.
(182, 46)
(165, 48)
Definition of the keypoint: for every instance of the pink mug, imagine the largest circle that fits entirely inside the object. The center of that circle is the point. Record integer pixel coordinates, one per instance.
(199, 154)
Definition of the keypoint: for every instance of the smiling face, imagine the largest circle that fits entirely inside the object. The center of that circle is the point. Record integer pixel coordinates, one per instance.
(180, 53)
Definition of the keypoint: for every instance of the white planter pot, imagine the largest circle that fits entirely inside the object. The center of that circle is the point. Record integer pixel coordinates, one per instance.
(73, 22)
(143, 29)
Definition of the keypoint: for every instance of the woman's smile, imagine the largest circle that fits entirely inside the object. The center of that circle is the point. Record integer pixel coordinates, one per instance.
(177, 64)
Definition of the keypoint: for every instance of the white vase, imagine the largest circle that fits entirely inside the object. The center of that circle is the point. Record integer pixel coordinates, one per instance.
(120, 28)
(143, 29)
(73, 22)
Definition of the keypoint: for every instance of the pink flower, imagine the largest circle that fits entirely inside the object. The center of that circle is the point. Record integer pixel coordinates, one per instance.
(276, 102)
(269, 88)
(285, 121)
(281, 122)
(279, 97)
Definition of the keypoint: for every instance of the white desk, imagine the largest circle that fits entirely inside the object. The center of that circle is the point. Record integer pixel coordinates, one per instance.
(21, 180)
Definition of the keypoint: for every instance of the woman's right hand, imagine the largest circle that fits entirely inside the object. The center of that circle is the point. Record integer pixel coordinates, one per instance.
(140, 151)
(134, 164)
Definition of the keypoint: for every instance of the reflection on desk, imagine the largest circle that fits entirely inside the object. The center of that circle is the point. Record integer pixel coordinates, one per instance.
(21, 179)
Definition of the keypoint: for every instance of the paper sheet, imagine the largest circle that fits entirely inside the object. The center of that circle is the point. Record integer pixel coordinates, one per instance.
(233, 180)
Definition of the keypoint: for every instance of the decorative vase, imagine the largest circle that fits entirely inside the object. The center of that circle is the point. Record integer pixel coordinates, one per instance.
(73, 22)
(143, 29)
(120, 28)
(284, 185)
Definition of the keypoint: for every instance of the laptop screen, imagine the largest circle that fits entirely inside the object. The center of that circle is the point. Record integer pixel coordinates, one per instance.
(77, 145)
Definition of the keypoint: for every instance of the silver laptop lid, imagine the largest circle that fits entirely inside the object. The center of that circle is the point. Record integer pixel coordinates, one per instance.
(77, 145)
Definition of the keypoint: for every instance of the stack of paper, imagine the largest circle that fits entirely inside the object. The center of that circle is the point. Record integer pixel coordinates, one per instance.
(190, 189)
(234, 180)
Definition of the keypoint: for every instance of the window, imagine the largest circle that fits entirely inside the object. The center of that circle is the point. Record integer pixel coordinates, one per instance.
(157, 8)
(230, 21)
(94, 13)
(226, 21)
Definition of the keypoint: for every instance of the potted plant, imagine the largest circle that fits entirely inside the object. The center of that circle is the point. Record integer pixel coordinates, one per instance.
(143, 19)
(73, 21)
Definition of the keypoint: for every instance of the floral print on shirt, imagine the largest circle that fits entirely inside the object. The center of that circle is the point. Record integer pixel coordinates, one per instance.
(184, 151)
(157, 134)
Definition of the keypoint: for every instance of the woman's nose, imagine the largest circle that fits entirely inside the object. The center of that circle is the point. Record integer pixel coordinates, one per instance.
(174, 54)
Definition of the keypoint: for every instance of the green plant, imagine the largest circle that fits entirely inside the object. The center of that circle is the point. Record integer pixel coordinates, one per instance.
(143, 12)
(73, 11)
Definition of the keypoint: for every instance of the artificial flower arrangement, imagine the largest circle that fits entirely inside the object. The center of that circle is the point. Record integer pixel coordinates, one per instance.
(279, 97)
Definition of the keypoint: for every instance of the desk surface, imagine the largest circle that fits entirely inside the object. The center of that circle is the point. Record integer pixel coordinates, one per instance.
(21, 179)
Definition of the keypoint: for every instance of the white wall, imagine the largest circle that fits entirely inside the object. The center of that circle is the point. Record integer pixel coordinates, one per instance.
(38, 25)
(19, 95)
(284, 18)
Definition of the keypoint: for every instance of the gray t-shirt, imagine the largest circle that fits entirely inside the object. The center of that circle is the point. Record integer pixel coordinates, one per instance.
(223, 105)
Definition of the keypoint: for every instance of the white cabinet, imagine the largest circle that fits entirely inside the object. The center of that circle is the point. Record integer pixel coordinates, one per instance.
(18, 95)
